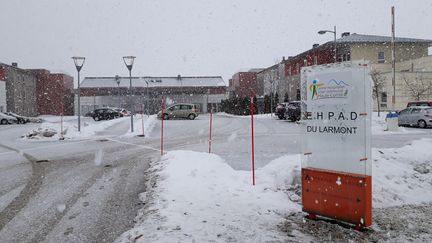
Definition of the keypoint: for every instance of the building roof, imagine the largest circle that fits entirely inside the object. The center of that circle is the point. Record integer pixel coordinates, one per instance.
(109, 82)
(358, 38)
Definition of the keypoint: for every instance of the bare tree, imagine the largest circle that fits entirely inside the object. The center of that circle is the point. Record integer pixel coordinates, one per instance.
(418, 86)
(378, 85)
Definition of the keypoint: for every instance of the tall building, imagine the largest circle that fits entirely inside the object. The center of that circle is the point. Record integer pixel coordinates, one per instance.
(20, 89)
(55, 93)
(245, 83)
(32, 92)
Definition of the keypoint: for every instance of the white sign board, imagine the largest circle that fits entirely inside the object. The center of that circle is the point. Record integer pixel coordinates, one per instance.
(337, 99)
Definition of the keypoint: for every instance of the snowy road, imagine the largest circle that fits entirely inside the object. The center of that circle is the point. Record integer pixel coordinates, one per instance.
(87, 190)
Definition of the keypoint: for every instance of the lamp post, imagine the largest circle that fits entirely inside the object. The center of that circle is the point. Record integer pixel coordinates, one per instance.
(117, 79)
(129, 61)
(79, 62)
(322, 32)
(271, 97)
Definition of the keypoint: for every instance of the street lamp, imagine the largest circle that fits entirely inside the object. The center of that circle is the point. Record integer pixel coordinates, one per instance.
(271, 97)
(117, 79)
(129, 61)
(79, 62)
(322, 32)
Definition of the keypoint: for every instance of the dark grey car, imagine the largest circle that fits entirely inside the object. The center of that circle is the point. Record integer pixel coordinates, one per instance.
(420, 116)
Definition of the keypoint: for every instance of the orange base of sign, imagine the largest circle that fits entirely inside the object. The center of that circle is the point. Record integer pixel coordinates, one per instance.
(342, 196)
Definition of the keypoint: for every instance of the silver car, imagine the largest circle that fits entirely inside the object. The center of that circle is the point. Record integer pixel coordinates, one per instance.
(420, 116)
(188, 111)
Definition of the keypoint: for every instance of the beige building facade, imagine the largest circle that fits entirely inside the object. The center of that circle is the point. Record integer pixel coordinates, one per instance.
(413, 80)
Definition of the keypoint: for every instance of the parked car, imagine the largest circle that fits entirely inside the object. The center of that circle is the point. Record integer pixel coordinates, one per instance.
(188, 111)
(105, 114)
(89, 114)
(21, 119)
(123, 112)
(419, 103)
(420, 116)
(6, 119)
(293, 110)
(280, 110)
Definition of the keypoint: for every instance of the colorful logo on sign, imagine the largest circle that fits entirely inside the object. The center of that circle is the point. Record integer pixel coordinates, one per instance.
(314, 88)
(329, 90)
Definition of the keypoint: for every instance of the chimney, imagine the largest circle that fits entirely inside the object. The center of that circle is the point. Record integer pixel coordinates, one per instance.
(15, 64)
(283, 58)
(315, 45)
(178, 77)
(345, 34)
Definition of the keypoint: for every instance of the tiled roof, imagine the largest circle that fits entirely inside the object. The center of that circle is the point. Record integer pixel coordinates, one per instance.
(108, 82)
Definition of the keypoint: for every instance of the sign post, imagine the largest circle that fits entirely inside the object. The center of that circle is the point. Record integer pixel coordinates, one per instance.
(336, 158)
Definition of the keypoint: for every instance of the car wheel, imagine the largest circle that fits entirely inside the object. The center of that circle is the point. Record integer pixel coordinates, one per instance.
(3, 122)
(281, 117)
(191, 116)
(165, 117)
(96, 118)
(421, 124)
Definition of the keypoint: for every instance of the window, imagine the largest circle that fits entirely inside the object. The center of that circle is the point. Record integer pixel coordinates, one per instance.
(384, 97)
(185, 107)
(404, 112)
(383, 105)
(415, 110)
(381, 58)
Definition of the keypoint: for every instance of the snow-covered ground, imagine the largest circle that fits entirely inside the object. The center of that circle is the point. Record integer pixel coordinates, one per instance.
(198, 197)
(191, 195)
(56, 125)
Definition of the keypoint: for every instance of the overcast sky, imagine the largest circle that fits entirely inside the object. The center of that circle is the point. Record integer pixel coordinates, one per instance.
(188, 37)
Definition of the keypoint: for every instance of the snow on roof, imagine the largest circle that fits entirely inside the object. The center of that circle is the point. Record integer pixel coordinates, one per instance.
(376, 38)
(108, 82)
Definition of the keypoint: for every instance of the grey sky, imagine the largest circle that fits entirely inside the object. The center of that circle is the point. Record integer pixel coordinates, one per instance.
(188, 37)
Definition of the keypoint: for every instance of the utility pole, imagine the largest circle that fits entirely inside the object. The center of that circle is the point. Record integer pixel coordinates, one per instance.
(393, 59)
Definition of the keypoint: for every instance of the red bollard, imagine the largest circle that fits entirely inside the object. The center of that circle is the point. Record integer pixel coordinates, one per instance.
(162, 129)
(253, 142)
(61, 123)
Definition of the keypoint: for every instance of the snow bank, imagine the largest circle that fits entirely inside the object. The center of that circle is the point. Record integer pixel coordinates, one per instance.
(149, 124)
(403, 175)
(198, 197)
(70, 129)
(195, 196)
(258, 116)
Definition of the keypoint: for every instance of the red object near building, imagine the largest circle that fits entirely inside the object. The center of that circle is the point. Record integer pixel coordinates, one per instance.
(315, 56)
(54, 93)
(244, 83)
